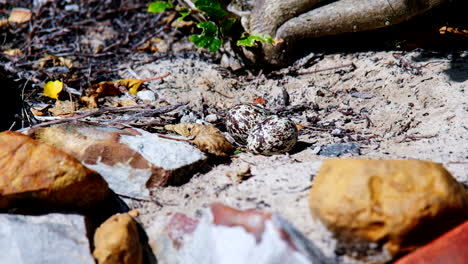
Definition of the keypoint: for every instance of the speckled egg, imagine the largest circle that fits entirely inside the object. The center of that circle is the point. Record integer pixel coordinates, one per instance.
(274, 135)
(240, 119)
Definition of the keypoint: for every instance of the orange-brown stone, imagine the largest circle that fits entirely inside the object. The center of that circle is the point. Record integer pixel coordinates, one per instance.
(399, 204)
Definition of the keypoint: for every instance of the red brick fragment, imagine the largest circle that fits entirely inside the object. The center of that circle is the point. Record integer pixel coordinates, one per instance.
(451, 247)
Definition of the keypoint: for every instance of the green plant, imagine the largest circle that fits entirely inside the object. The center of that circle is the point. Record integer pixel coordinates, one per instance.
(214, 31)
(159, 6)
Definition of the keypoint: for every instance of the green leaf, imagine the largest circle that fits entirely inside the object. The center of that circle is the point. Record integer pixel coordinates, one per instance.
(227, 24)
(159, 6)
(208, 39)
(235, 152)
(253, 40)
(211, 7)
(183, 14)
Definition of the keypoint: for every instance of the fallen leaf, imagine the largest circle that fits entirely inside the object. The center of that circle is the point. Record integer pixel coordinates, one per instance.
(20, 15)
(259, 100)
(111, 88)
(54, 61)
(182, 24)
(148, 46)
(443, 30)
(299, 127)
(169, 18)
(52, 89)
(182, 129)
(207, 138)
(39, 110)
(3, 22)
(37, 175)
(13, 52)
(62, 108)
(241, 174)
(131, 84)
(119, 102)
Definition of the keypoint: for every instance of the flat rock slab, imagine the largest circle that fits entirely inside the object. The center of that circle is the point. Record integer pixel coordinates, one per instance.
(130, 160)
(51, 239)
(233, 236)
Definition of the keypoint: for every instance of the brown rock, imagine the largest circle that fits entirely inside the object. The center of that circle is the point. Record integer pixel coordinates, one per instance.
(449, 248)
(398, 204)
(34, 174)
(117, 241)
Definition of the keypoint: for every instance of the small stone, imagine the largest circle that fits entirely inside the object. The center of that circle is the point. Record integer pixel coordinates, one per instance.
(190, 118)
(316, 150)
(451, 248)
(51, 239)
(146, 95)
(211, 118)
(336, 132)
(361, 95)
(397, 204)
(117, 241)
(72, 8)
(279, 97)
(336, 150)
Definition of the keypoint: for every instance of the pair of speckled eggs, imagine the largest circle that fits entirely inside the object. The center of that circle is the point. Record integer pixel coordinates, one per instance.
(259, 130)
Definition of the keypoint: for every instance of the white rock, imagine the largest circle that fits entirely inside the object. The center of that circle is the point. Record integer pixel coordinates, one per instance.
(211, 118)
(51, 239)
(146, 95)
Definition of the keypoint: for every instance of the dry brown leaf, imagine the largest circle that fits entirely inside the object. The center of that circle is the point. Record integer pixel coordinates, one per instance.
(54, 61)
(182, 24)
(62, 108)
(148, 46)
(20, 15)
(111, 88)
(3, 22)
(445, 29)
(241, 174)
(13, 52)
(39, 110)
(37, 175)
(182, 129)
(259, 100)
(89, 101)
(117, 241)
(300, 127)
(207, 138)
(119, 102)
(169, 18)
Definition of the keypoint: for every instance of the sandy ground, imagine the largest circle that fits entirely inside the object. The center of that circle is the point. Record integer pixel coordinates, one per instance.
(408, 106)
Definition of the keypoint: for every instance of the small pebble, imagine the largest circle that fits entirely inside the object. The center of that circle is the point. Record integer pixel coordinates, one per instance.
(211, 118)
(73, 7)
(146, 95)
(336, 150)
